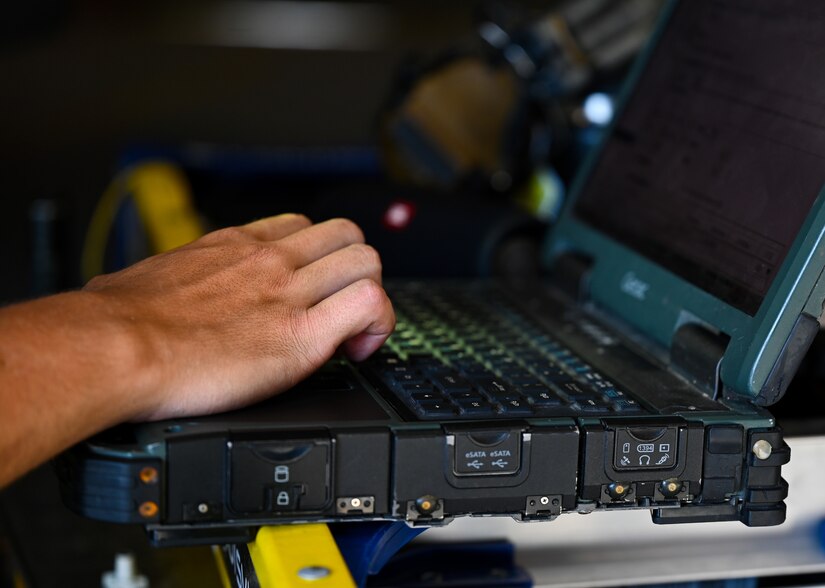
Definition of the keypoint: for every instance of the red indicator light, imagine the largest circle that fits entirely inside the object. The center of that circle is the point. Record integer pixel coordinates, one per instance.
(398, 215)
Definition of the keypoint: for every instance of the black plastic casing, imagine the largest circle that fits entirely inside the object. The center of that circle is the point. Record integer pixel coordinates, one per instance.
(221, 488)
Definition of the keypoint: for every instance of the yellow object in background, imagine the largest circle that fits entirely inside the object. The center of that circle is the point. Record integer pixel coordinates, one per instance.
(288, 556)
(542, 195)
(163, 200)
(164, 203)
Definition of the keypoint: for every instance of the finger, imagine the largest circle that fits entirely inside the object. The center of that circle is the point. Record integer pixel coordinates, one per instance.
(313, 243)
(276, 227)
(265, 229)
(323, 278)
(359, 317)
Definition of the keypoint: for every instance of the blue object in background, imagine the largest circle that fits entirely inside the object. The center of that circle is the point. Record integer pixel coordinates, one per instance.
(488, 564)
(366, 547)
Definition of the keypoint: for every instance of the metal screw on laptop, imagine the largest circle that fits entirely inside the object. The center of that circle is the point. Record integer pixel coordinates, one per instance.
(426, 504)
(148, 509)
(619, 490)
(762, 449)
(670, 488)
(311, 573)
(149, 475)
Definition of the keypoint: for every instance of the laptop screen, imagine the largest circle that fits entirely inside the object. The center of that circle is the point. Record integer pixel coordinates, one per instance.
(720, 152)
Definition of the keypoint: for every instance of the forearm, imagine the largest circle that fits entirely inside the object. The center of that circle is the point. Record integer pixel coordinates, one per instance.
(69, 367)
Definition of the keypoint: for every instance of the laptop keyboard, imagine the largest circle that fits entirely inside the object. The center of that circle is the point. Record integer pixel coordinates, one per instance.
(469, 353)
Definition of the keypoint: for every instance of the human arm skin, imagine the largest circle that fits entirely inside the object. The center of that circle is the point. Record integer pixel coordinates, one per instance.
(225, 321)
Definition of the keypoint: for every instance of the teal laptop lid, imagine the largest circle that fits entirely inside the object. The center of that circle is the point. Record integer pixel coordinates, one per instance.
(705, 203)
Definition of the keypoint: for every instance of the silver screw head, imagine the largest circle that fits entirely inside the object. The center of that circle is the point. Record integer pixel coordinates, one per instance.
(203, 508)
(355, 502)
(544, 500)
(762, 449)
(311, 573)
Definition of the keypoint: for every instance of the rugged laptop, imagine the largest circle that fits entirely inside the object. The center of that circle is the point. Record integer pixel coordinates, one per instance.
(684, 285)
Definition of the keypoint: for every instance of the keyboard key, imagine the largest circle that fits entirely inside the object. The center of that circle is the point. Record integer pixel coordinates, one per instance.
(521, 378)
(587, 409)
(385, 359)
(505, 363)
(430, 365)
(612, 393)
(474, 370)
(396, 370)
(494, 386)
(543, 402)
(541, 396)
(452, 383)
(626, 405)
(411, 346)
(577, 390)
(466, 396)
(591, 403)
(516, 407)
(455, 356)
(407, 378)
(598, 382)
(449, 346)
(476, 407)
(425, 387)
(505, 396)
(421, 396)
(554, 375)
(436, 408)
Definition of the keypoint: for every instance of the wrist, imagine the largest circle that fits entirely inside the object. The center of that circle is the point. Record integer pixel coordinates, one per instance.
(127, 357)
(71, 365)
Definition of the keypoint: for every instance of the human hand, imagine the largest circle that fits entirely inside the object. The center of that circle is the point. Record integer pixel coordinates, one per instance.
(246, 312)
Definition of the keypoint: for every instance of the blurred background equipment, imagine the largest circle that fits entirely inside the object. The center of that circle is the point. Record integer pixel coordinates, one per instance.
(154, 195)
(492, 110)
(479, 139)
(301, 99)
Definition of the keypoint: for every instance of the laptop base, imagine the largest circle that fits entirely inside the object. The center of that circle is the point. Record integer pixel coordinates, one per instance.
(237, 490)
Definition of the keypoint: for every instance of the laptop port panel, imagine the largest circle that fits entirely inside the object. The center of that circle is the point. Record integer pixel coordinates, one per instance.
(529, 472)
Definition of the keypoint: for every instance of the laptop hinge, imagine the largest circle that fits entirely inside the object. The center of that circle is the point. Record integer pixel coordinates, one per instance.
(696, 353)
(571, 272)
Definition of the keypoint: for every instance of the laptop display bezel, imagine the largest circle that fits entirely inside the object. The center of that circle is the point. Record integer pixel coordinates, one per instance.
(657, 302)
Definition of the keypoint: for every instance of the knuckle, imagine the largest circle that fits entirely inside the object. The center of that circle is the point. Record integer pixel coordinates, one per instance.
(298, 218)
(224, 234)
(96, 283)
(348, 227)
(372, 294)
(368, 254)
(269, 264)
(259, 253)
(232, 233)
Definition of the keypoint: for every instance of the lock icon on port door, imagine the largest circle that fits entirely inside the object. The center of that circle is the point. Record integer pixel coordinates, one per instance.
(282, 474)
(283, 498)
